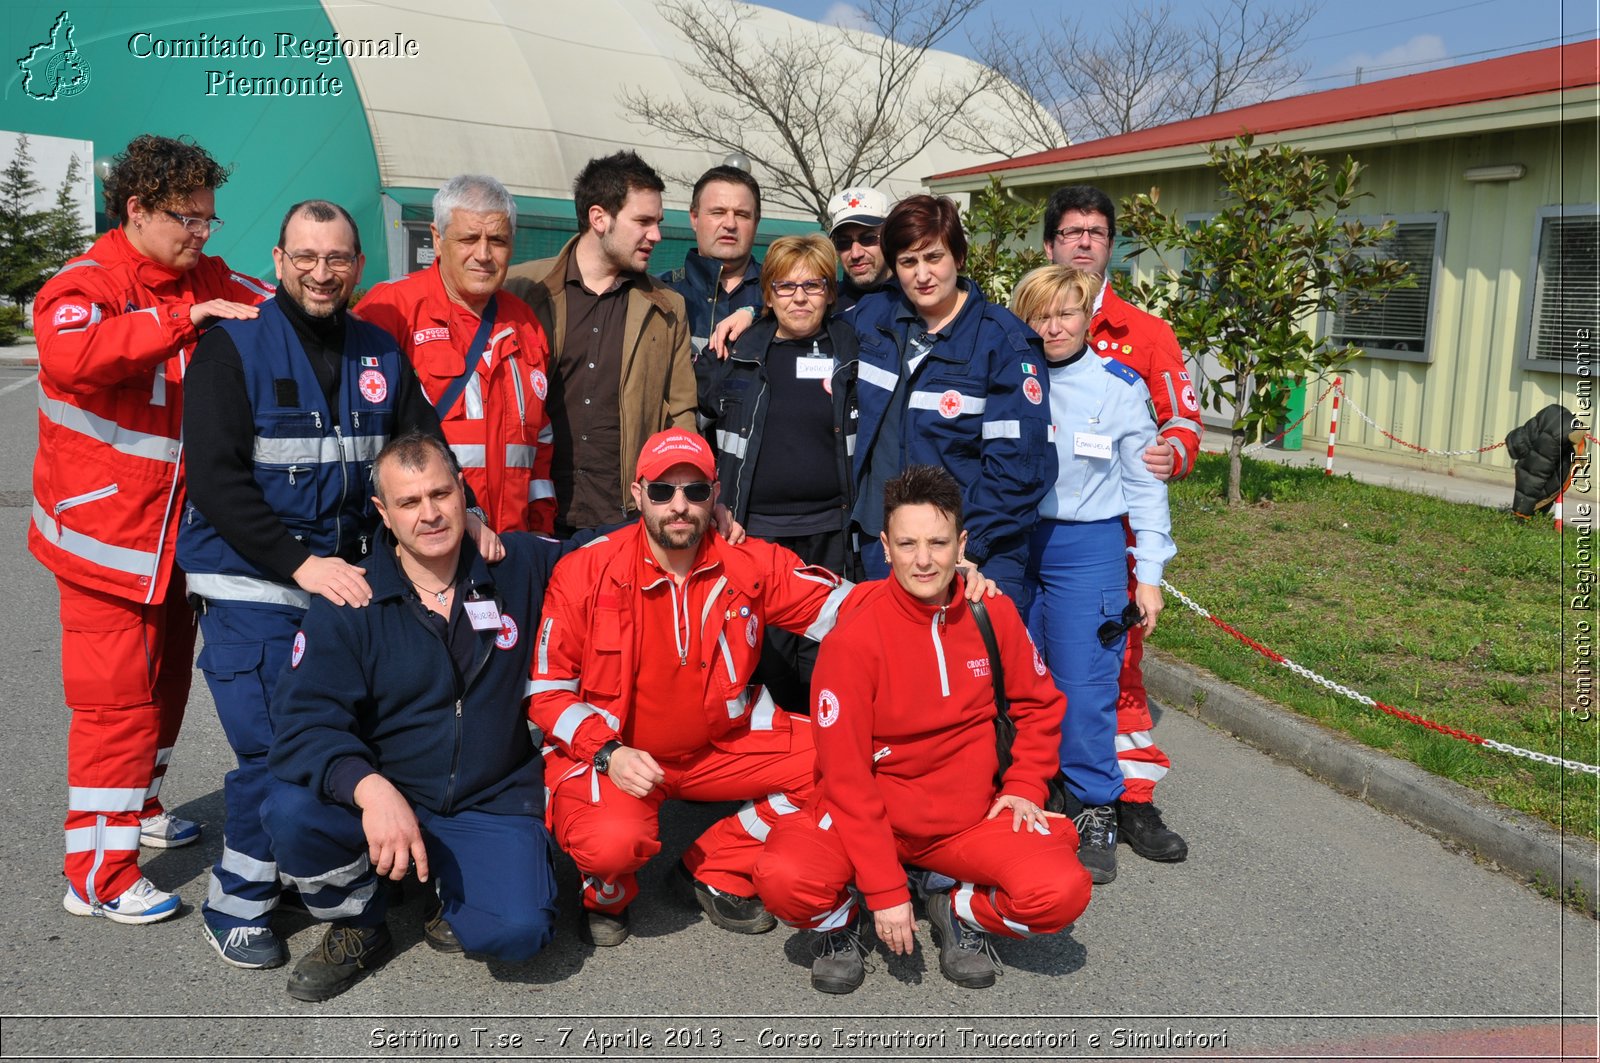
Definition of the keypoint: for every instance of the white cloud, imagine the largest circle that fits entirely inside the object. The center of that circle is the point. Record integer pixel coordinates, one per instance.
(846, 16)
(1422, 52)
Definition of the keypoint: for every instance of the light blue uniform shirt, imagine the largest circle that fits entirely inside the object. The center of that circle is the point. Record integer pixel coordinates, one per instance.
(1099, 404)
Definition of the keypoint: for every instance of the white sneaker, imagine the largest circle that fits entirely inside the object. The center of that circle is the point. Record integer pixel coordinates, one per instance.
(139, 903)
(166, 831)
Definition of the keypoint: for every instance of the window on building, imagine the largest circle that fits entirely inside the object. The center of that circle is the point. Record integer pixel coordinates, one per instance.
(1561, 311)
(1396, 324)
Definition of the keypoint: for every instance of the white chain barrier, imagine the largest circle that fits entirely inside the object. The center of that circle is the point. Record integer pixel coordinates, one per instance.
(1371, 703)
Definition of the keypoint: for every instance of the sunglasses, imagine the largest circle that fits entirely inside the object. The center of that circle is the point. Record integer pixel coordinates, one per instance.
(661, 493)
(1112, 630)
(869, 238)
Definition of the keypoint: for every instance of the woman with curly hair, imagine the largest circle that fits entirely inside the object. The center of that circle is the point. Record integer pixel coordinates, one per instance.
(115, 328)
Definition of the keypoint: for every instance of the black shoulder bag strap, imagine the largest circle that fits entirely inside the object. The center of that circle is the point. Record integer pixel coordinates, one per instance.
(480, 341)
(1005, 730)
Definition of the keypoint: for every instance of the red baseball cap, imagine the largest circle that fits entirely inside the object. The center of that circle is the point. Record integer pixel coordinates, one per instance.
(675, 447)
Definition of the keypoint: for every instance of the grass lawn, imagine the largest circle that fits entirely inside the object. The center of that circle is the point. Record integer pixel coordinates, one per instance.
(1452, 612)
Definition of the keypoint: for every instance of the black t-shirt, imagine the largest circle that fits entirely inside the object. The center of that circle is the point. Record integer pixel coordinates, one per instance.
(797, 470)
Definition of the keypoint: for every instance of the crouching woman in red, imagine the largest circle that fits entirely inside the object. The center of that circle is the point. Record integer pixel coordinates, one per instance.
(907, 771)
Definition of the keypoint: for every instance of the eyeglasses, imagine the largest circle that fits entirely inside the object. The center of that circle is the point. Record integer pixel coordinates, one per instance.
(1098, 234)
(661, 492)
(338, 262)
(866, 238)
(195, 226)
(788, 288)
(1112, 630)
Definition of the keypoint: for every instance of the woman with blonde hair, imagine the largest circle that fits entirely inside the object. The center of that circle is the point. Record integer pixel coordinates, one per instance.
(1081, 611)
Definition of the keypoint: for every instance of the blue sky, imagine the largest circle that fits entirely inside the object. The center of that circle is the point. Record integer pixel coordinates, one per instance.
(1385, 38)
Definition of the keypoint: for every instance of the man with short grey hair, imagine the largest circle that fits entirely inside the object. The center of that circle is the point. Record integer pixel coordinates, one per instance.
(480, 352)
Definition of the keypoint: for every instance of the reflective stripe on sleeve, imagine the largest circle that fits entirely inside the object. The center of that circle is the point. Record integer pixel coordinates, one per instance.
(221, 588)
(931, 400)
(878, 378)
(1002, 430)
(828, 615)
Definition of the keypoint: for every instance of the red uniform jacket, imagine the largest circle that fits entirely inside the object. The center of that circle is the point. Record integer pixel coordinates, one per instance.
(1146, 344)
(498, 428)
(114, 338)
(590, 639)
(905, 726)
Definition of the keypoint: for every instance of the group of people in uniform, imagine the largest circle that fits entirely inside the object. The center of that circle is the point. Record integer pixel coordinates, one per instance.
(503, 557)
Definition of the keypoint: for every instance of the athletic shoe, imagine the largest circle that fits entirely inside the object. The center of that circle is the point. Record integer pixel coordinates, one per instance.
(741, 915)
(966, 955)
(139, 903)
(1142, 828)
(166, 831)
(839, 965)
(604, 930)
(1097, 842)
(254, 948)
(345, 955)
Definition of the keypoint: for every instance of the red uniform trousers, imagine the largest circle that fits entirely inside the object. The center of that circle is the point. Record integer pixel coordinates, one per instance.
(610, 835)
(1142, 761)
(125, 671)
(1012, 883)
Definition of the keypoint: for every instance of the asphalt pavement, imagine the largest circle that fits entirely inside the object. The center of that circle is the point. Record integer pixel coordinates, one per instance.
(1305, 924)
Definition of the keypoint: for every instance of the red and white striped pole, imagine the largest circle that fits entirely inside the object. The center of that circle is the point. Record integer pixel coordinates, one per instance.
(1555, 510)
(1333, 425)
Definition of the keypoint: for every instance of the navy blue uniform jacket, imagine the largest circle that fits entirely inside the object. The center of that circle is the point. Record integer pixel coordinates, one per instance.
(378, 683)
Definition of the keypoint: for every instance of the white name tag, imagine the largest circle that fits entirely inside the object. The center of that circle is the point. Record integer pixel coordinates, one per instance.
(485, 616)
(1088, 445)
(813, 368)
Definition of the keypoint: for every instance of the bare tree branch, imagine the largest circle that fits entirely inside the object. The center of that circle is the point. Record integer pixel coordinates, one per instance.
(817, 110)
(1147, 67)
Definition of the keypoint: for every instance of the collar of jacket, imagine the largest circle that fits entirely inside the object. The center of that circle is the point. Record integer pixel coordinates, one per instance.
(645, 285)
(623, 567)
(1113, 308)
(706, 273)
(387, 580)
(759, 338)
(905, 316)
(921, 611)
(152, 274)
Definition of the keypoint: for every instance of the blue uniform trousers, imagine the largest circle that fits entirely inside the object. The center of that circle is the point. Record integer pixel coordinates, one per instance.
(246, 647)
(1081, 572)
(492, 872)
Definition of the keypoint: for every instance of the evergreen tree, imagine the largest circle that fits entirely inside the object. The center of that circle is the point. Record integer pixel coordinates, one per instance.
(64, 237)
(22, 229)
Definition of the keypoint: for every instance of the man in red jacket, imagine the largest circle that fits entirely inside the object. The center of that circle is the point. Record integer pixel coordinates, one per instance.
(908, 771)
(479, 352)
(115, 330)
(642, 688)
(1080, 224)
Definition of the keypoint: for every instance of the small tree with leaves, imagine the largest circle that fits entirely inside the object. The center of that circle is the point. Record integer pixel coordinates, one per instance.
(998, 250)
(1254, 276)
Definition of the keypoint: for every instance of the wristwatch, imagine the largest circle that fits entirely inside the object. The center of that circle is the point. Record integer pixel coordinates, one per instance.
(602, 759)
(477, 511)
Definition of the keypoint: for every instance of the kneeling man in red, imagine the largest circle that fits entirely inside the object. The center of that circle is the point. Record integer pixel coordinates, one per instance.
(908, 772)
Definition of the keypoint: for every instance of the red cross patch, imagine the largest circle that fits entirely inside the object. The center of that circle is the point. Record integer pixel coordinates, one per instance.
(1031, 388)
(508, 633)
(374, 386)
(950, 404)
